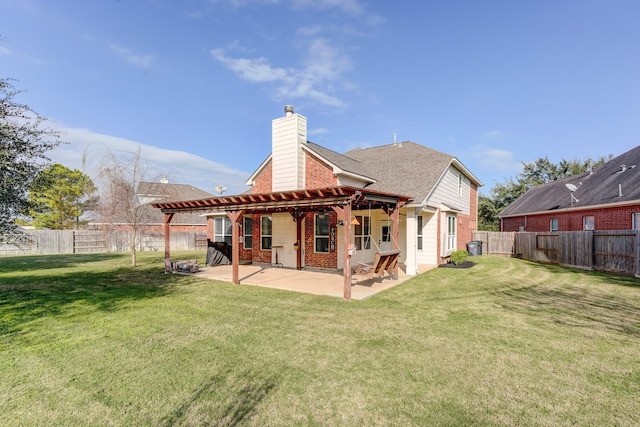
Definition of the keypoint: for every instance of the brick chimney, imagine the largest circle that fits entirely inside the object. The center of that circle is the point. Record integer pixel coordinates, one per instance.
(287, 136)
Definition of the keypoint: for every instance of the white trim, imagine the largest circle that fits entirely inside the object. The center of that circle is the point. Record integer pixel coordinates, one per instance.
(321, 236)
(337, 170)
(252, 178)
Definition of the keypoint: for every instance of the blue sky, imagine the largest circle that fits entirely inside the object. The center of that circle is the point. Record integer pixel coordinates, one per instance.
(196, 83)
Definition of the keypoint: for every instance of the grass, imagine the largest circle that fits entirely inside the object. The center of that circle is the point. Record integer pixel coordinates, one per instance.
(87, 340)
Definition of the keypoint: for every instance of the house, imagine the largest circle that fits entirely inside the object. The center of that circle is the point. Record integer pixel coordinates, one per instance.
(607, 198)
(310, 207)
(152, 219)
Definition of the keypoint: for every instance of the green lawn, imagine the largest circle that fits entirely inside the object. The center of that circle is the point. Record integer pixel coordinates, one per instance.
(87, 340)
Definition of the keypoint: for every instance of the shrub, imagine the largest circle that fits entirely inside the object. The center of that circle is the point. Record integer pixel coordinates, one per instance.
(458, 257)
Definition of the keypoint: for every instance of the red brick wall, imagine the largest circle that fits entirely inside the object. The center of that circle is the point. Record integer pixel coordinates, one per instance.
(311, 258)
(259, 255)
(317, 173)
(263, 180)
(616, 218)
(210, 228)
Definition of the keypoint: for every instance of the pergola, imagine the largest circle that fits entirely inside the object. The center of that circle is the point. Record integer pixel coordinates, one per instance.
(342, 199)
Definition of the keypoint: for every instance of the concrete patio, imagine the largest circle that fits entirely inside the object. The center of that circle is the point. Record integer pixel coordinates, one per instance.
(314, 282)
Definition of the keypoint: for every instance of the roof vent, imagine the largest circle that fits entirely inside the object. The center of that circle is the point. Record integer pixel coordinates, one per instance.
(624, 168)
(288, 110)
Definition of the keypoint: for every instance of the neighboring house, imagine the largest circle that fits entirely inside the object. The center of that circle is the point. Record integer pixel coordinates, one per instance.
(153, 192)
(307, 201)
(606, 199)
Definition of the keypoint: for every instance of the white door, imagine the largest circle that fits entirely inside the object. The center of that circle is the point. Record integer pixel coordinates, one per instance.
(385, 242)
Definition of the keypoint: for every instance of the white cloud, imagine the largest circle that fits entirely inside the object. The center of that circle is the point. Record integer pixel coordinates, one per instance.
(348, 6)
(323, 66)
(5, 51)
(141, 61)
(255, 70)
(318, 131)
(493, 135)
(495, 159)
(181, 167)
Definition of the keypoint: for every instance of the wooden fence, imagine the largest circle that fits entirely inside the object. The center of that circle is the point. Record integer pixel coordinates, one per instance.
(615, 251)
(46, 242)
(495, 243)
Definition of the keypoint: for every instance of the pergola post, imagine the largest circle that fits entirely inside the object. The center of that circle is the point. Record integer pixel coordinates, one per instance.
(344, 213)
(235, 217)
(167, 241)
(297, 218)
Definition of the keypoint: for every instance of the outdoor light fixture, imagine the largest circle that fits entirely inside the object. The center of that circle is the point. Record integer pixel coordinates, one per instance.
(355, 221)
(321, 213)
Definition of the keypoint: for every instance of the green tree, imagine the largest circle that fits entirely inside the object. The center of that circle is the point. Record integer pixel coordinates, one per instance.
(60, 197)
(487, 214)
(537, 172)
(23, 146)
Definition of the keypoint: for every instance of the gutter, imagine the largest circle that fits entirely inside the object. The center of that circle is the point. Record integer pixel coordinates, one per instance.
(575, 209)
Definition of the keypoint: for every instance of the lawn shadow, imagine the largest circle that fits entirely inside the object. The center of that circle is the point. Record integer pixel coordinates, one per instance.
(47, 262)
(578, 306)
(224, 400)
(34, 296)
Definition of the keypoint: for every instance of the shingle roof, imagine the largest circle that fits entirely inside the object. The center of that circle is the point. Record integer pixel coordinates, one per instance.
(149, 192)
(171, 192)
(345, 163)
(406, 168)
(617, 181)
(167, 192)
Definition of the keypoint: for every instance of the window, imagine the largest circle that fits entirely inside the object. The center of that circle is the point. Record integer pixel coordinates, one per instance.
(636, 220)
(459, 185)
(265, 232)
(362, 232)
(386, 233)
(222, 229)
(451, 233)
(420, 232)
(553, 224)
(247, 228)
(322, 233)
(588, 223)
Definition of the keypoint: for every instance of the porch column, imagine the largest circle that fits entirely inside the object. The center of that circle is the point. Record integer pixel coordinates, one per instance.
(167, 241)
(395, 232)
(411, 259)
(344, 213)
(235, 245)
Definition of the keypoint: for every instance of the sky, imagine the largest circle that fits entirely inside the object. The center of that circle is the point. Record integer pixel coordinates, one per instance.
(194, 84)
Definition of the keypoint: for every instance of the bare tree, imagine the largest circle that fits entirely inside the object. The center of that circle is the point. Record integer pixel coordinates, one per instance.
(120, 174)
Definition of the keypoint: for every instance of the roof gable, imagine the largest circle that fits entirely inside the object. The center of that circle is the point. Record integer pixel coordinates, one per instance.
(407, 168)
(344, 163)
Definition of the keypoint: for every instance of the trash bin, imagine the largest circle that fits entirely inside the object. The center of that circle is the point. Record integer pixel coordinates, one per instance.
(474, 247)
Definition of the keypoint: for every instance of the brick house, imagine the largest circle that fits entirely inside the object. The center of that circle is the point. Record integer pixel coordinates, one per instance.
(310, 207)
(607, 198)
(149, 192)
